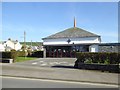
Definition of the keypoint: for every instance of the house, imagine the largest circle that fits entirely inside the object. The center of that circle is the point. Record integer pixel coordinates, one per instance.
(12, 44)
(1, 47)
(64, 43)
(33, 46)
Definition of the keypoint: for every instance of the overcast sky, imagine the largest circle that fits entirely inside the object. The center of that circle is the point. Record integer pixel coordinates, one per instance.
(41, 19)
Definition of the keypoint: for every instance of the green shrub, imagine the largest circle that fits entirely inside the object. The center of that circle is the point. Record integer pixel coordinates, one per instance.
(97, 57)
(29, 52)
(21, 53)
(113, 58)
(89, 61)
(107, 61)
(10, 54)
(37, 54)
(6, 54)
(14, 55)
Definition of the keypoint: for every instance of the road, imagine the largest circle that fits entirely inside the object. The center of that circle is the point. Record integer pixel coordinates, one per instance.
(15, 82)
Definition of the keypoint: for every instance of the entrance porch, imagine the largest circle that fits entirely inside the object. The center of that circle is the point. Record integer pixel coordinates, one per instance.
(65, 51)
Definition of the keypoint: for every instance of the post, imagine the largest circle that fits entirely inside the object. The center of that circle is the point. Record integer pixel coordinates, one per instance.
(24, 40)
(25, 43)
(44, 53)
(31, 43)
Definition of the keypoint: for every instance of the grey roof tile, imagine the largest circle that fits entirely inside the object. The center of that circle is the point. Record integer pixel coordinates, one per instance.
(72, 33)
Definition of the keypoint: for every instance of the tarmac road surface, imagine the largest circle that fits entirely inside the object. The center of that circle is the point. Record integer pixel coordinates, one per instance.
(49, 62)
(16, 82)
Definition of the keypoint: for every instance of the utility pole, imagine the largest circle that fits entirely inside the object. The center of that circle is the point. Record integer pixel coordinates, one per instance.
(24, 40)
(25, 43)
(31, 43)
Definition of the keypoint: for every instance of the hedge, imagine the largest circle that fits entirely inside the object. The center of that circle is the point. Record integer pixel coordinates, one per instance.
(97, 57)
(98, 61)
(36, 54)
(9, 54)
(21, 53)
(13, 54)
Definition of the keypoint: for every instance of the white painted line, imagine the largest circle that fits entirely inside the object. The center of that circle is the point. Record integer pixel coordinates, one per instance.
(51, 63)
(44, 64)
(71, 64)
(85, 83)
(55, 62)
(41, 61)
(34, 63)
(63, 62)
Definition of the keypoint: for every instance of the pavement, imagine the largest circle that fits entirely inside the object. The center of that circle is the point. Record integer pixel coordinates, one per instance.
(57, 69)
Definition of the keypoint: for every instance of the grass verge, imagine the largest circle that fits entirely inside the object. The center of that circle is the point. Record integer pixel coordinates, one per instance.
(21, 59)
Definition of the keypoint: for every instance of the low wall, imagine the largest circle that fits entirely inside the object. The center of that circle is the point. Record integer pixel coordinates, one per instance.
(98, 61)
(4, 60)
(102, 67)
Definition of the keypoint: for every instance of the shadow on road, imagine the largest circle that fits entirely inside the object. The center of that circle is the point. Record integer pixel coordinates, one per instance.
(62, 66)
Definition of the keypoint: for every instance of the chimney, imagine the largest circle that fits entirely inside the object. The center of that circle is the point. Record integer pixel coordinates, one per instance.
(9, 38)
(74, 22)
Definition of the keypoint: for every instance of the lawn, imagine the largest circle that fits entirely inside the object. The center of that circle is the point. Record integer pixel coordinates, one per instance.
(21, 59)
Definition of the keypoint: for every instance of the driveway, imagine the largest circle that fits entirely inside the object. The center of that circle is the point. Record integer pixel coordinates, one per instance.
(50, 62)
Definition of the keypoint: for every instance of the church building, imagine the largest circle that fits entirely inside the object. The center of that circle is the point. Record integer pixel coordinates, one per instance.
(69, 41)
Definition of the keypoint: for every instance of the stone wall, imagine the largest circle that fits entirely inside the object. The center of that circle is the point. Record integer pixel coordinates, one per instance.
(102, 67)
(109, 47)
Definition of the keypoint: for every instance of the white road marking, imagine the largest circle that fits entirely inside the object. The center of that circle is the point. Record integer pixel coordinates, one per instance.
(63, 62)
(71, 64)
(41, 61)
(55, 62)
(51, 63)
(34, 63)
(97, 84)
(43, 64)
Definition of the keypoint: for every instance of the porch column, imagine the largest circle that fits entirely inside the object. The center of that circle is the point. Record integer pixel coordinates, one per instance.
(44, 52)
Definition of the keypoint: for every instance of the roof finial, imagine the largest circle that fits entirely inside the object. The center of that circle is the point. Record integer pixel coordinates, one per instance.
(74, 22)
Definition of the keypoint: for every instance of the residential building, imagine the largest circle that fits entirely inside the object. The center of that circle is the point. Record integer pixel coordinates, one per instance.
(12, 44)
(2, 48)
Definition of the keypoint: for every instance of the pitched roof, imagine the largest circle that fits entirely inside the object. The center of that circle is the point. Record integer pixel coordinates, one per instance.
(72, 33)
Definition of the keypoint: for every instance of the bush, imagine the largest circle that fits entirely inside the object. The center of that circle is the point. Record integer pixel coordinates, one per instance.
(103, 58)
(10, 54)
(6, 54)
(22, 53)
(98, 61)
(29, 52)
(36, 54)
(14, 55)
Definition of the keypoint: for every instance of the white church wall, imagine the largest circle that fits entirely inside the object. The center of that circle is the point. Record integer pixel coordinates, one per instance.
(63, 41)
